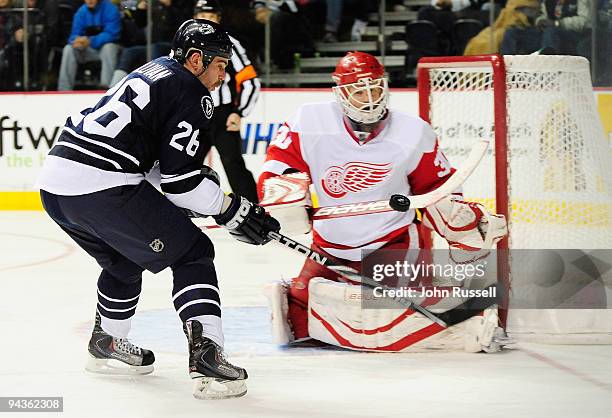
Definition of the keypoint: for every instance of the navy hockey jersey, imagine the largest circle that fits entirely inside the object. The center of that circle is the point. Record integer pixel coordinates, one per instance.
(148, 122)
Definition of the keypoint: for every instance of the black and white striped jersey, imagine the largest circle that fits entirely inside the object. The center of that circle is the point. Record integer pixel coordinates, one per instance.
(241, 85)
(150, 121)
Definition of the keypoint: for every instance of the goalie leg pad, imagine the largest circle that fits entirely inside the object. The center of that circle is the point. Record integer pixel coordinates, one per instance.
(482, 333)
(276, 293)
(336, 316)
(479, 331)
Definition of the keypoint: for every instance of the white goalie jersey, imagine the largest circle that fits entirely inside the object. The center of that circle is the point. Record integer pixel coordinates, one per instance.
(402, 156)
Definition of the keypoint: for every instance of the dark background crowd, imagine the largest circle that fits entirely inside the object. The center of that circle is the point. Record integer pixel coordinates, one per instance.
(90, 44)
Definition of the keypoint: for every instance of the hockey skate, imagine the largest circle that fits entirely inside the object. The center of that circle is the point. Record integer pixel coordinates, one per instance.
(118, 356)
(214, 377)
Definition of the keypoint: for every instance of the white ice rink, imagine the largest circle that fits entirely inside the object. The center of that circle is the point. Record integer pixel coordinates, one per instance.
(48, 299)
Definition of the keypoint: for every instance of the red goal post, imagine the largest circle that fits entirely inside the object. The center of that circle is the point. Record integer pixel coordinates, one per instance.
(494, 64)
(547, 169)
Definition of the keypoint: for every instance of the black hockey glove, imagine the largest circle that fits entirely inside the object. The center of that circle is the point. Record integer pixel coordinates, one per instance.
(247, 222)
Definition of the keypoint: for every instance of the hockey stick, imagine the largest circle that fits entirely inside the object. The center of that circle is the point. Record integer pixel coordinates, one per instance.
(403, 203)
(453, 316)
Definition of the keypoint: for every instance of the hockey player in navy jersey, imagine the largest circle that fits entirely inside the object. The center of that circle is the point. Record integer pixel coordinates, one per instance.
(93, 185)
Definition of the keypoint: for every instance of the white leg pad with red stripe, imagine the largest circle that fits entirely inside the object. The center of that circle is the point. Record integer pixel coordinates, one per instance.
(336, 316)
(277, 301)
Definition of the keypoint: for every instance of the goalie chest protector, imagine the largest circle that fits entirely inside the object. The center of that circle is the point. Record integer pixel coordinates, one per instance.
(343, 170)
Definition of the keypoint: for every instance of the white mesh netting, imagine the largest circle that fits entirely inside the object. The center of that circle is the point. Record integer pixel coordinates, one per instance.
(559, 163)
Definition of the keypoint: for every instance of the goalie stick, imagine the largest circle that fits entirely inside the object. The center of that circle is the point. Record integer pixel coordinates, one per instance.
(453, 316)
(406, 202)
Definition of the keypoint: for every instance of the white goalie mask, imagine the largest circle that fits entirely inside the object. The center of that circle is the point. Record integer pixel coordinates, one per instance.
(361, 87)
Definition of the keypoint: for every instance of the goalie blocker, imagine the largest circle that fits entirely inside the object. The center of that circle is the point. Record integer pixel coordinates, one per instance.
(287, 199)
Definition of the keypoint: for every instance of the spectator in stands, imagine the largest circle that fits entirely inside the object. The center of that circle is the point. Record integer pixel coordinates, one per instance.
(5, 5)
(290, 31)
(239, 20)
(6, 25)
(516, 13)
(396, 6)
(562, 28)
(443, 39)
(604, 41)
(37, 41)
(234, 99)
(50, 10)
(13, 49)
(167, 17)
(333, 17)
(95, 30)
(444, 13)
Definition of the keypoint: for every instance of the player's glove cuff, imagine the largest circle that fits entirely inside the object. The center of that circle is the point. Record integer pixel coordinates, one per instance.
(247, 222)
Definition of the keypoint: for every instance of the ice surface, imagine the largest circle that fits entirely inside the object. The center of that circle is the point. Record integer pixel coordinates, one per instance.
(47, 303)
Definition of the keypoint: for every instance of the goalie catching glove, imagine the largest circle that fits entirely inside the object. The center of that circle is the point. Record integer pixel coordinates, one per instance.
(246, 221)
(466, 226)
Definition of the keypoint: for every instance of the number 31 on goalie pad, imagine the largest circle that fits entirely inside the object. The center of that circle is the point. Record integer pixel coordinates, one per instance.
(336, 317)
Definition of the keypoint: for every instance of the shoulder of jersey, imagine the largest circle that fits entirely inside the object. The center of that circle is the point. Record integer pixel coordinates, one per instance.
(408, 126)
(404, 120)
(406, 117)
(318, 118)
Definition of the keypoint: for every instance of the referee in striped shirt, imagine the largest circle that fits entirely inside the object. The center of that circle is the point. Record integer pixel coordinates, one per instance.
(234, 99)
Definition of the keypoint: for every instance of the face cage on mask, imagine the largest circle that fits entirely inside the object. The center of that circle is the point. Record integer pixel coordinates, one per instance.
(366, 112)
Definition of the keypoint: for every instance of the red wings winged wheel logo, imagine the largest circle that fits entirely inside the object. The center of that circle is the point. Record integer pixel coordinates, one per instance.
(353, 177)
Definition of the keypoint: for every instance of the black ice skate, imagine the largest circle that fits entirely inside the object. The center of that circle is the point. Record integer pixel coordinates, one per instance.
(111, 355)
(214, 377)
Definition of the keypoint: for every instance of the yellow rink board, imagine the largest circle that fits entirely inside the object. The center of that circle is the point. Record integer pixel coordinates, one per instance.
(20, 201)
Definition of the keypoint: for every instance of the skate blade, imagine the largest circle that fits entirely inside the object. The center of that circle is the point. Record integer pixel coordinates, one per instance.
(115, 367)
(210, 388)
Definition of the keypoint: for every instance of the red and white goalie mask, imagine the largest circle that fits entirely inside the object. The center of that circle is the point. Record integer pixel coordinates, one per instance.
(361, 87)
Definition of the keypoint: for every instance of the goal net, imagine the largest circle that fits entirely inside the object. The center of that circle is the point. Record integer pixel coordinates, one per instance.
(548, 170)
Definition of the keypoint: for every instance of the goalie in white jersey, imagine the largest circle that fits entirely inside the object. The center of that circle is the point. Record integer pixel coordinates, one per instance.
(352, 150)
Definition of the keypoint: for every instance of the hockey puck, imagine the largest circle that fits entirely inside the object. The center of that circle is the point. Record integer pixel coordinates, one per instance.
(399, 203)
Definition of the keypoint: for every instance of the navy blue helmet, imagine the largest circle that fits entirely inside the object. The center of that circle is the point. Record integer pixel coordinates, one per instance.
(203, 36)
(210, 6)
